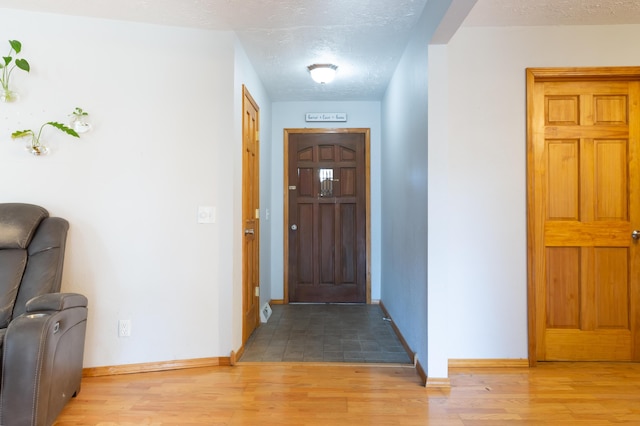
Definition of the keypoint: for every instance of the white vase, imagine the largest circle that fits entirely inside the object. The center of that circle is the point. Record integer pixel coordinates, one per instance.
(8, 95)
(79, 125)
(37, 148)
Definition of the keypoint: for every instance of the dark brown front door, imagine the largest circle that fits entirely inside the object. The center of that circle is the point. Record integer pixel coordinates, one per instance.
(327, 244)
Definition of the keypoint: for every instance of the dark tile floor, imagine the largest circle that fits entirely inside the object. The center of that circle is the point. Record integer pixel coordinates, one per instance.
(325, 333)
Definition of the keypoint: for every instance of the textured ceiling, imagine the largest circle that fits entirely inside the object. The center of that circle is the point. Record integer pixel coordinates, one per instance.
(553, 12)
(365, 38)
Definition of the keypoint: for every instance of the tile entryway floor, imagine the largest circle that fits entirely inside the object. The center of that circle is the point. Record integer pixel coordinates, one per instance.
(325, 333)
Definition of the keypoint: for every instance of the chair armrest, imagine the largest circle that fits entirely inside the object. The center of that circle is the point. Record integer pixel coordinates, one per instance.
(56, 302)
(42, 359)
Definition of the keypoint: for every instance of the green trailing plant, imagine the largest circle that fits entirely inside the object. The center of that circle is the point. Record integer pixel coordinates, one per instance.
(78, 120)
(8, 64)
(36, 147)
(79, 112)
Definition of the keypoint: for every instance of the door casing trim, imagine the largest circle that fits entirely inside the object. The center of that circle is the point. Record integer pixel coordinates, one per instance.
(367, 171)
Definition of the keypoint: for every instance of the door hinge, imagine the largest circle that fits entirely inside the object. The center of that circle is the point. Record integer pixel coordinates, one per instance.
(257, 292)
(257, 213)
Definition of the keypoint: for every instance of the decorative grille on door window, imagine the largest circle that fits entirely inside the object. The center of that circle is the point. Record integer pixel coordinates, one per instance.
(326, 182)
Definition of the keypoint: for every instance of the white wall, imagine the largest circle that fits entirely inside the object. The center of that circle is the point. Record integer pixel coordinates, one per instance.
(404, 209)
(439, 231)
(290, 115)
(162, 100)
(405, 214)
(486, 172)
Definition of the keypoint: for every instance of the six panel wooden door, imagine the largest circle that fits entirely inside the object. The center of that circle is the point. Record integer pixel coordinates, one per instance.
(327, 217)
(250, 219)
(584, 160)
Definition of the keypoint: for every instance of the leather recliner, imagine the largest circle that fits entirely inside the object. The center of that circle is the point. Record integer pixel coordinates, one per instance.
(42, 331)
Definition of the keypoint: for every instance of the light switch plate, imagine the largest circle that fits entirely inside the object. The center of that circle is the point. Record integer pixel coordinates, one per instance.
(206, 214)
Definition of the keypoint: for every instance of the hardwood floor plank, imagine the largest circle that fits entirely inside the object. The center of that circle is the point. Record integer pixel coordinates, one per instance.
(329, 394)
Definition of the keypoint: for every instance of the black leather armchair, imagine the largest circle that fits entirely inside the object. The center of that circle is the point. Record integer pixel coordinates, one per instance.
(42, 331)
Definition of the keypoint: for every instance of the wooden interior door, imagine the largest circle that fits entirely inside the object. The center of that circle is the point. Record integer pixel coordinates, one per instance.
(326, 220)
(584, 203)
(250, 215)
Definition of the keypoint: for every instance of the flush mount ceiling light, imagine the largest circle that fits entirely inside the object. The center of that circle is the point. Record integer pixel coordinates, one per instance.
(322, 73)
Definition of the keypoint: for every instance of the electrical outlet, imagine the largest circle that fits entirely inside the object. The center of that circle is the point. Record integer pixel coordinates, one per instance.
(124, 328)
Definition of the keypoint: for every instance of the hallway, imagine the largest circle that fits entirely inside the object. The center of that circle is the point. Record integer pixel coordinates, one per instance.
(326, 333)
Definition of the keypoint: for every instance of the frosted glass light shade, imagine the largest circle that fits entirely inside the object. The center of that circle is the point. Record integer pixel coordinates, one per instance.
(322, 73)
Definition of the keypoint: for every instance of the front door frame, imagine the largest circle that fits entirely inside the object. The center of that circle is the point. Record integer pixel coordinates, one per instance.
(534, 268)
(367, 171)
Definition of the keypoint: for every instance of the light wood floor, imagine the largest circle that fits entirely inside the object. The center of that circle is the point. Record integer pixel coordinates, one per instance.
(308, 394)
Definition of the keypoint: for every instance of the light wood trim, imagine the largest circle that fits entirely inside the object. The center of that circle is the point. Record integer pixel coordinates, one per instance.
(634, 194)
(236, 355)
(421, 373)
(285, 229)
(489, 363)
(438, 382)
(327, 364)
(531, 229)
(247, 95)
(403, 342)
(277, 302)
(155, 366)
(367, 153)
(585, 73)
(367, 173)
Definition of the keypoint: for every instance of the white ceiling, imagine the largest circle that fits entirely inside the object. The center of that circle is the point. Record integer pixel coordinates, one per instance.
(553, 12)
(365, 38)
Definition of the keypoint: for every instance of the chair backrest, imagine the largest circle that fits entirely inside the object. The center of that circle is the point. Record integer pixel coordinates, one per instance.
(31, 256)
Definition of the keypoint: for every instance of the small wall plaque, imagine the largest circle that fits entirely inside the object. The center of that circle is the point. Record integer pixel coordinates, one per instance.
(326, 116)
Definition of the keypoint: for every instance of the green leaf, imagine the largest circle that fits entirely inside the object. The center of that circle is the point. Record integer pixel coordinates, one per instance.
(64, 128)
(23, 64)
(7, 60)
(21, 133)
(16, 45)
